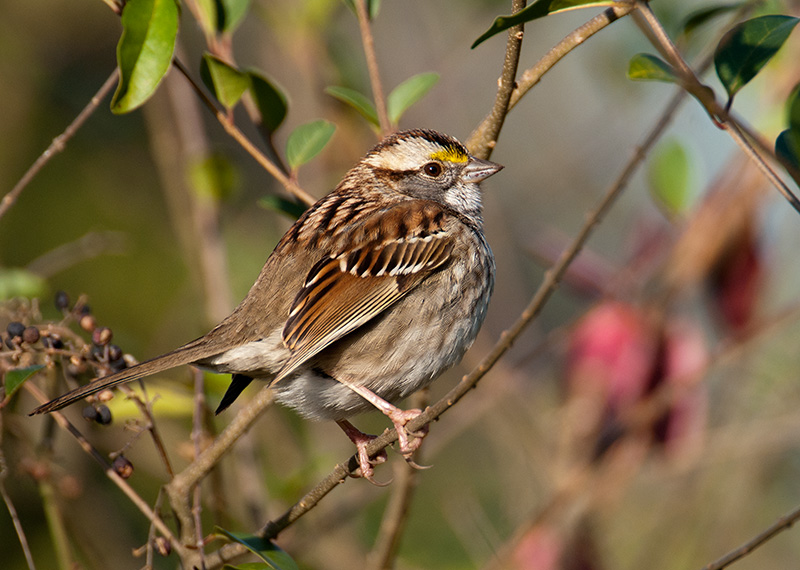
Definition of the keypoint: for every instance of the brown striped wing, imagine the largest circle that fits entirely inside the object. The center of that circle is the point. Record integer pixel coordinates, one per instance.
(403, 246)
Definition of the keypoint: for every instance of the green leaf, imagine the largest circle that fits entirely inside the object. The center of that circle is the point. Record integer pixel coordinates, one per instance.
(793, 106)
(407, 93)
(787, 147)
(646, 67)
(17, 282)
(538, 9)
(230, 14)
(747, 47)
(307, 141)
(283, 206)
(248, 566)
(14, 379)
(208, 16)
(668, 175)
(213, 177)
(356, 100)
(373, 7)
(266, 550)
(704, 15)
(227, 83)
(144, 52)
(270, 99)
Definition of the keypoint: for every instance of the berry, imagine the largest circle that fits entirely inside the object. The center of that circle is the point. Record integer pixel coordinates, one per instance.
(88, 323)
(85, 310)
(122, 466)
(15, 328)
(97, 353)
(30, 335)
(114, 352)
(103, 415)
(90, 414)
(163, 546)
(101, 336)
(62, 301)
(56, 342)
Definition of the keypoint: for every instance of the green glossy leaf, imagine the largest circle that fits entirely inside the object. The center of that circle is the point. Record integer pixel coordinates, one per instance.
(270, 553)
(283, 206)
(538, 9)
(227, 83)
(668, 176)
(14, 379)
(307, 141)
(214, 177)
(407, 93)
(144, 51)
(747, 47)
(270, 99)
(705, 15)
(646, 67)
(787, 147)
(230, 14)
(356, 100)
(17, 282)
(793, 106)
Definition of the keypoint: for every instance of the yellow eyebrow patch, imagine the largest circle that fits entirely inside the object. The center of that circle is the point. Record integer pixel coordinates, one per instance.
(450, 155)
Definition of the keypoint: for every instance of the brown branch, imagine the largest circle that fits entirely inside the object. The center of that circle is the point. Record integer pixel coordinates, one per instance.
(12, 511)
(58, 144)
(372, 67)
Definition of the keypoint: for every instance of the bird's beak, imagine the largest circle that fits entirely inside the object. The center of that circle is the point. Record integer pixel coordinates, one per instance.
(478, 169)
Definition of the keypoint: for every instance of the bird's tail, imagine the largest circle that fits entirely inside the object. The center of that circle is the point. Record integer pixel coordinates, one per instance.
(186, 354)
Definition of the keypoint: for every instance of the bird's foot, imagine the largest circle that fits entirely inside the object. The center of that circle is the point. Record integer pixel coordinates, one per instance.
(365, 462)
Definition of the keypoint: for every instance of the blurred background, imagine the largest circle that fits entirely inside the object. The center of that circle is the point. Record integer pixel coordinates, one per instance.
(560, 458)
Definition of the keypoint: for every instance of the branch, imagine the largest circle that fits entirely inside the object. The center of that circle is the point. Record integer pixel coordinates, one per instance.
(58, 144)
(372, 67)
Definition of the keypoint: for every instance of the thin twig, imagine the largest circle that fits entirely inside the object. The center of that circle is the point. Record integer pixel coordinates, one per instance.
(372, 67)
(12, 511)
(245, 143)
(483, 140)
(197, 440)
(58, 144)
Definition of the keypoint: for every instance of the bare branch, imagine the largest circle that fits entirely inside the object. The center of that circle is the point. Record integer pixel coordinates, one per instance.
(372, 67)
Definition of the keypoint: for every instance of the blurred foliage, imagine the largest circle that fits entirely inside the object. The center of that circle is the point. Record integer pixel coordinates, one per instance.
(716, 467)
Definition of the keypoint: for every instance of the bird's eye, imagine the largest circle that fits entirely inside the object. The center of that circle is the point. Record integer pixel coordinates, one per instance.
(432, 169)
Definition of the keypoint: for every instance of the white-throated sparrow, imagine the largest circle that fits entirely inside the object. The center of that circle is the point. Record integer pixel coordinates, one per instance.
(378, 288)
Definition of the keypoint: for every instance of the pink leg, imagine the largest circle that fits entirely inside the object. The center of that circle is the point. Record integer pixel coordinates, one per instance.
(361, 439)
(398, 417)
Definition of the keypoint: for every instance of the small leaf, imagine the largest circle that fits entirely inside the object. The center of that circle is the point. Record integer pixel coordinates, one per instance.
(704, 15)
(538, 9)
(266, 550)
(356, 100)
(283, 206)
(213, 177)
(373, 6)
(227, 83)
(407, 93)
(248, 566)
(17, 282)
(208, 16)
(747, 47)
(15, 378)
(668, 175)
(230, 14)
(270, 99)
(144, 51)
(793, 105)
(307, 141)
(787, 147)
(646, 67)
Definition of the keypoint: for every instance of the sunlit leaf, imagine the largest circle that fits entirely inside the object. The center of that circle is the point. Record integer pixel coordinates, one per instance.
(270, 553)
(230, 14)
(307, 141)
(18, 282)
(270, 99)
(407, 93)
(668, 175)
(646, 67)
(144, 51)
(15, 378)
(747, 47)
(538, 9)
(213, 177)
(356, 100)
(227, 83)
(706, 14)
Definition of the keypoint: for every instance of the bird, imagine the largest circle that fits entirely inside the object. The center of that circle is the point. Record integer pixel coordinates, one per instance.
(378, 288)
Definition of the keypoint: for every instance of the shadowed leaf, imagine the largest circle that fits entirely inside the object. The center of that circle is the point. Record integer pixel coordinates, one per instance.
(14, 379)
(283, 206)
(704, 15)
(270, 99)
(144, 51)
(270, 553)
(747, 47)
(356, 100)
(227, 83)
(230, 14)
